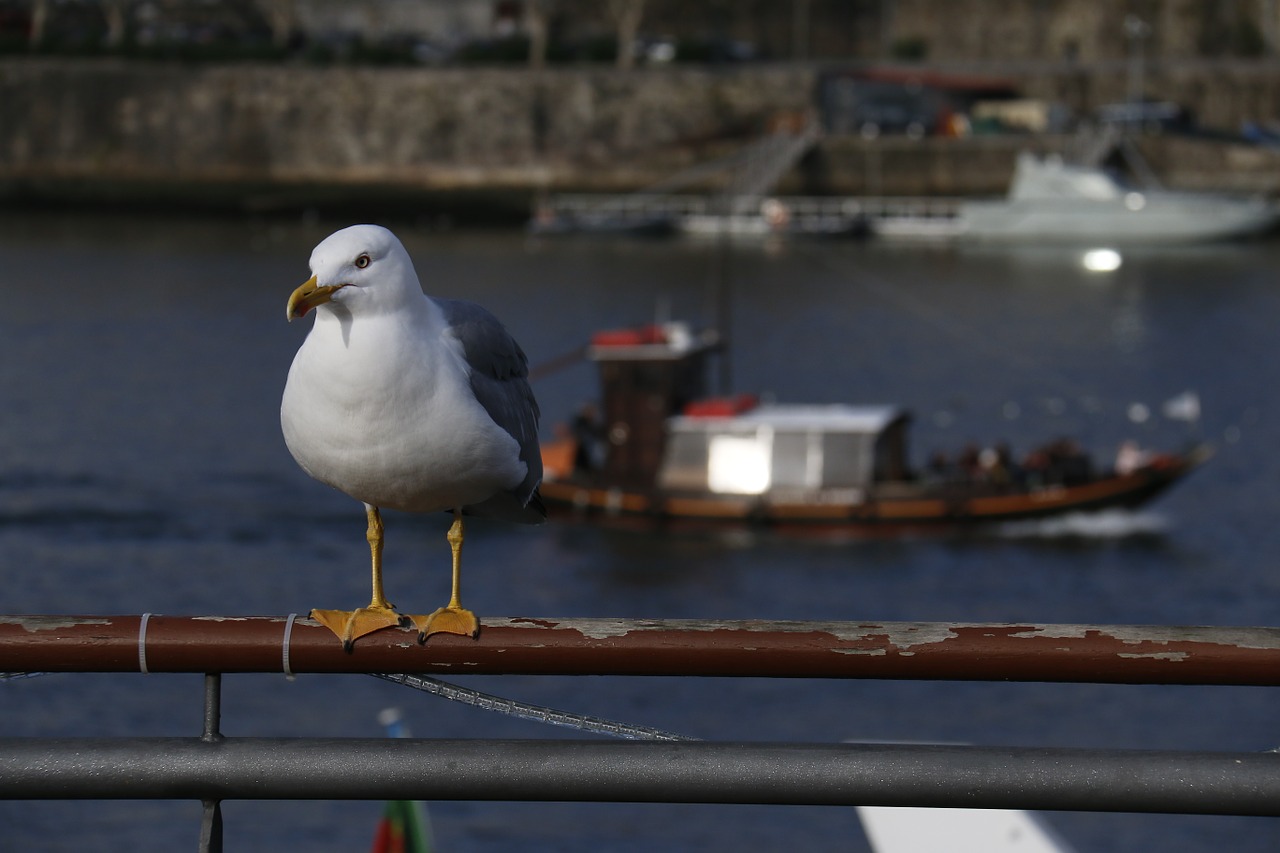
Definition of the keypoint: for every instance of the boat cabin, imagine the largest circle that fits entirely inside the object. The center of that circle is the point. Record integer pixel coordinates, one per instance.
(1053, 179)
(661, 430)
(646, 376)
(789, 452)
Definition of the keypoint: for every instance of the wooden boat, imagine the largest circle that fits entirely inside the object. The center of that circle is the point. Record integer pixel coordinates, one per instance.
(664, 454)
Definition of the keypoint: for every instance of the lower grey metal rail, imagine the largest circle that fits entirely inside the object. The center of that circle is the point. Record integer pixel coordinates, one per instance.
(684, 772)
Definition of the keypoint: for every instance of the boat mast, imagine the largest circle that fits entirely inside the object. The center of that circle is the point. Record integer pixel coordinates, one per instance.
(721, 310)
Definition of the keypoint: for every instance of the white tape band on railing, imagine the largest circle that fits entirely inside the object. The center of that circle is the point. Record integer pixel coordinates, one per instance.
(142, 643)
(288, 634)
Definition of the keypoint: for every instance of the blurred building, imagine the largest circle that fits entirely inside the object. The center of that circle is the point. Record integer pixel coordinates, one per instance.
(936, 31)
(932, 30)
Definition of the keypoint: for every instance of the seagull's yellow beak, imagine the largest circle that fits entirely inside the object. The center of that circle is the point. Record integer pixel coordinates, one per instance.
(308, 296)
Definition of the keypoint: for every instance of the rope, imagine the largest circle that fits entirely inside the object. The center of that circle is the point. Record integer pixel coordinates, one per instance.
(525, 711)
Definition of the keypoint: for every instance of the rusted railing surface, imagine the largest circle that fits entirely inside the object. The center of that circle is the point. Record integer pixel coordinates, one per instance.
(553, 646)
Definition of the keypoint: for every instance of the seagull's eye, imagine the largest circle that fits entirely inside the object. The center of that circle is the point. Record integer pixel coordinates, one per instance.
(363, 261)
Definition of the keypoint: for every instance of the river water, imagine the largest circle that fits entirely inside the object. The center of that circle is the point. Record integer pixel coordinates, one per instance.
(142, 470)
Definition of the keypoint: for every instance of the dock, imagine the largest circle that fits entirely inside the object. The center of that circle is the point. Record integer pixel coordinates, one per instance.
(706, 215)
(734, 197)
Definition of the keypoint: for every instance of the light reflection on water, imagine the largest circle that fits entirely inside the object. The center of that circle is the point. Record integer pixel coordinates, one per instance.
(141, 470)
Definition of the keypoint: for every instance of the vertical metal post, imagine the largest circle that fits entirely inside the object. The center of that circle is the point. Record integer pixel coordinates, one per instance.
(722, 302)
(211, 824)
(1137, 30)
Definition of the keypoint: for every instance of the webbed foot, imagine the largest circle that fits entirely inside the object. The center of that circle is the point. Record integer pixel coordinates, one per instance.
(447, 620)
(351, 625)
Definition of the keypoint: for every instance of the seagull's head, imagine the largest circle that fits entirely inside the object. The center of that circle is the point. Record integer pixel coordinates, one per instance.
(363, 268)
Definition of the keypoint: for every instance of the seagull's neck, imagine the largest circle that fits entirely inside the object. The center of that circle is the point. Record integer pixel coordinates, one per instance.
(410, 308)
(372, 332)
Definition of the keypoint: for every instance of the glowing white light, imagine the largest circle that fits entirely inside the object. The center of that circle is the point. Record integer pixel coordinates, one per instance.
(1101, 260)
(738, 465)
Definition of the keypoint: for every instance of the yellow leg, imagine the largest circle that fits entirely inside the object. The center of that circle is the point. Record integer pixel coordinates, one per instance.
(350, 625)
(453, 618)
(374, 536)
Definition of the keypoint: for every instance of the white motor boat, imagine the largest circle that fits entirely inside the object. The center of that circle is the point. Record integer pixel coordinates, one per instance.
(1052, 201)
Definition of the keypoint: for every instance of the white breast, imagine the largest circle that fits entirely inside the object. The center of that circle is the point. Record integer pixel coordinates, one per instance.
(384, 412)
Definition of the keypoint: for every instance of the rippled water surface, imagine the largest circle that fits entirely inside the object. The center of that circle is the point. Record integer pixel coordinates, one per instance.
(142, 470)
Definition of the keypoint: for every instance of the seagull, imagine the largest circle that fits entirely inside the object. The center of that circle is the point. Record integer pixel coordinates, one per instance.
(409, 403)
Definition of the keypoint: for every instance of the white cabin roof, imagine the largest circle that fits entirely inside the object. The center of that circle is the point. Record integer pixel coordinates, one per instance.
(797, 417)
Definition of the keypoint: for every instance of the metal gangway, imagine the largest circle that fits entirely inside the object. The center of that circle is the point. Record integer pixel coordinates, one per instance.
(763, 166)
(744, 203)
(745, 178)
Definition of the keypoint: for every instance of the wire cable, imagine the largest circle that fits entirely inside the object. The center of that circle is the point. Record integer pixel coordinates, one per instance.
(526, 711)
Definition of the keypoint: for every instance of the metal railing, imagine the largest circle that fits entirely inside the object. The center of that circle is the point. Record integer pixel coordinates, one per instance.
(212, 767)
(649, 205)
(895, 218)
(1118, 654)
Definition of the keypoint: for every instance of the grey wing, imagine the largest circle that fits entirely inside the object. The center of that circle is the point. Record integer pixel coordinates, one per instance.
(499, 379)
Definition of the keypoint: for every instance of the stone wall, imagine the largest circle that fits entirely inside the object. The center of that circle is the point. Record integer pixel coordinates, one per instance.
(234, 130)
(404, 127)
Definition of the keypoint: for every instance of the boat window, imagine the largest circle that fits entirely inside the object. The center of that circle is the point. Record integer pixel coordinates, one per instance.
(791, 460)
(738, 464)
(847, 459)
(685, 464)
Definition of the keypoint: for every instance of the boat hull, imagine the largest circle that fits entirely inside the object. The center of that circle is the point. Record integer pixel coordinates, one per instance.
(1155, 218)
(940, 508)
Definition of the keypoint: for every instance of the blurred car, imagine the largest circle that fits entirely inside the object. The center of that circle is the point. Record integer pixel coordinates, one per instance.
(908, 116)
(1149, 115)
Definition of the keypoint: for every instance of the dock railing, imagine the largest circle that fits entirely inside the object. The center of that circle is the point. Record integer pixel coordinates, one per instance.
(211, 767)
(643, 206)
(893, 217)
